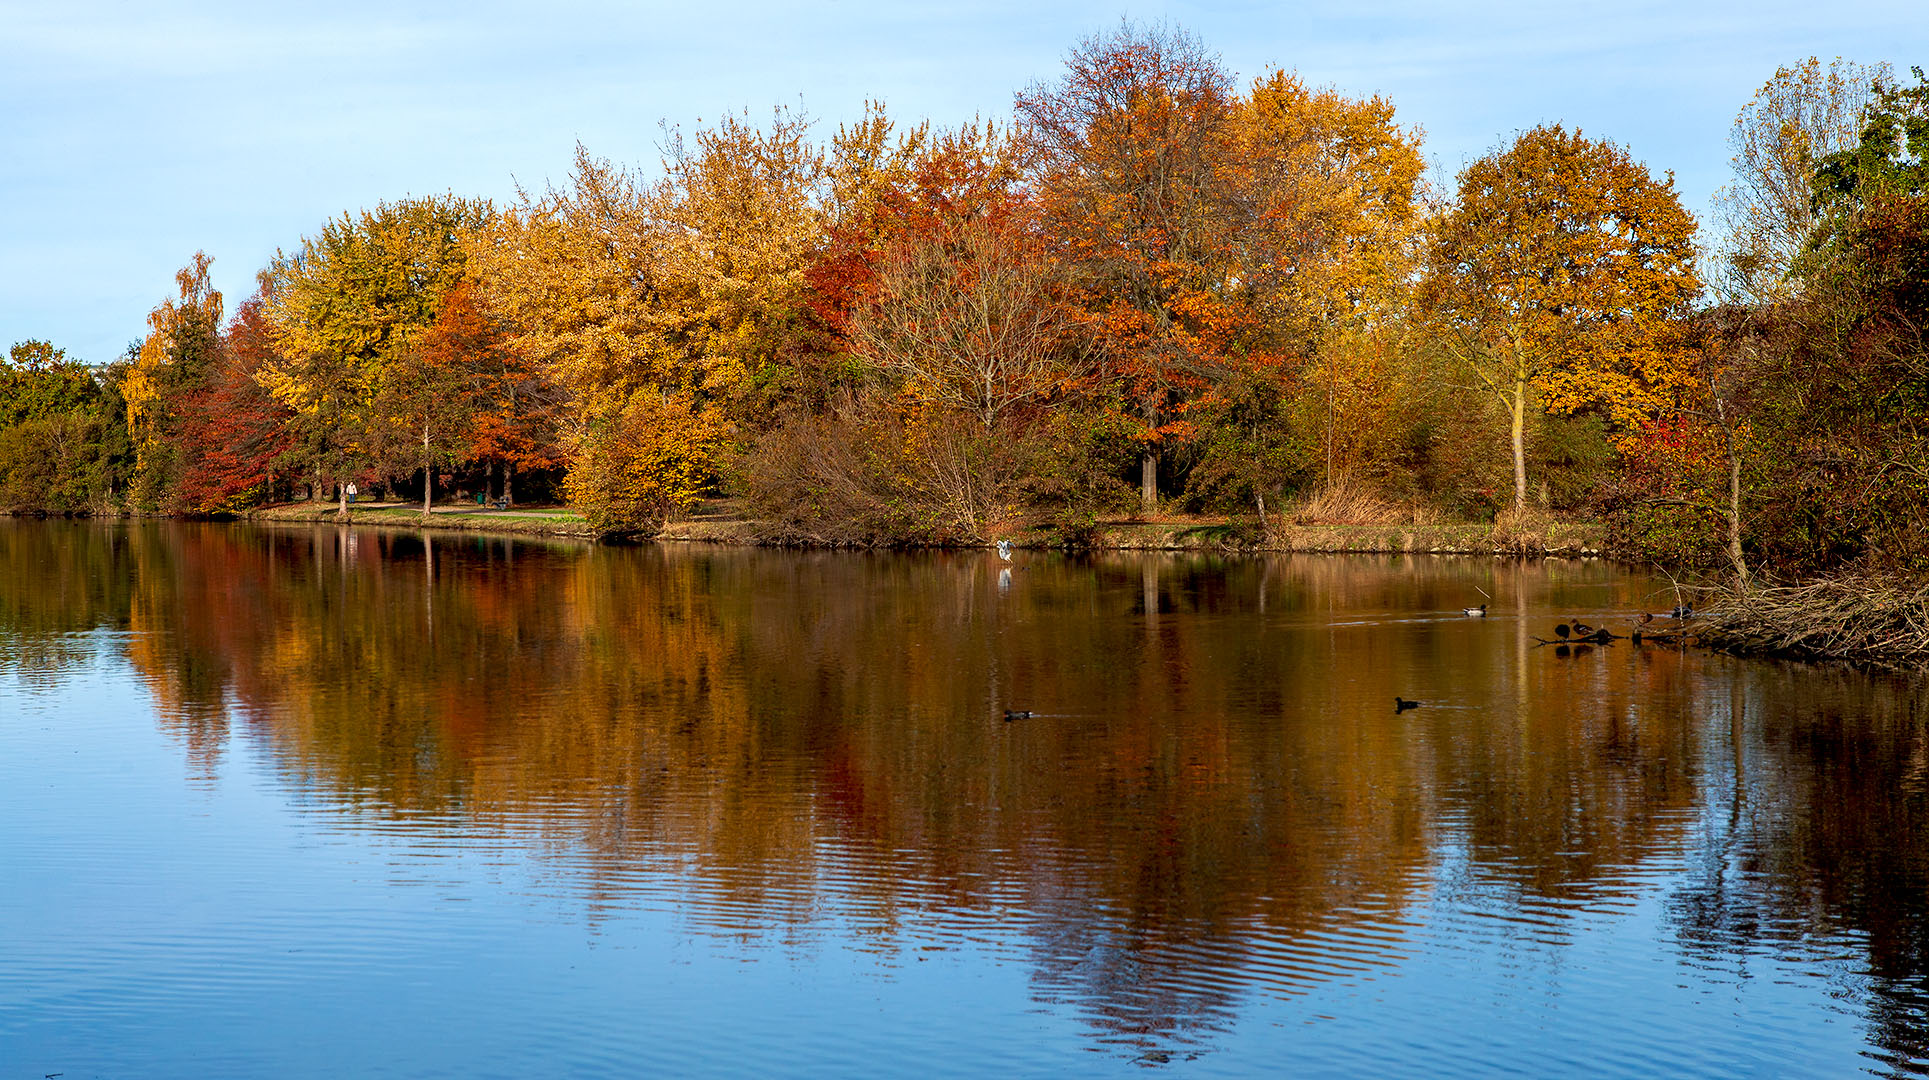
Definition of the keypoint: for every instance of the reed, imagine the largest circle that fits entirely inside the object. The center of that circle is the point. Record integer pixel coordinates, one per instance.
(1348, 503)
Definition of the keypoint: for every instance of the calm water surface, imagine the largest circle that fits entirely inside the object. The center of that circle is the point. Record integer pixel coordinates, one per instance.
(328, 803)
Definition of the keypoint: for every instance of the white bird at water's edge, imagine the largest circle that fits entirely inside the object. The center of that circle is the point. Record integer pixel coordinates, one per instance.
(1004, 550)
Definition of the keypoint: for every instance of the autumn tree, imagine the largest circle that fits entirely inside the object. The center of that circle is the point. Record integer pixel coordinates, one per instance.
(1325, 221)
(1554, 277)
(182, 347)
(233, 432)
(425, 399)
(1842, 389)
(1327, 192)
(962, 298)
(347, 306)
(1127, 153)
(678, 301)
(1803, 114)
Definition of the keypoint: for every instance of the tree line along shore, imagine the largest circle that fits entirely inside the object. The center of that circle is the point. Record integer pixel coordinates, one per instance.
(1150, 288)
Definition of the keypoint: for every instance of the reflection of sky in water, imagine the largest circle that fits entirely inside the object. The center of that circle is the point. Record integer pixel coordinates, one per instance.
(260, 910)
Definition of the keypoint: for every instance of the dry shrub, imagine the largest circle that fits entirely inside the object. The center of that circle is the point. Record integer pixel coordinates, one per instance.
(885, 470)
(1423, 514)
(1869, 617)
(1523, 532)
(1347, 502)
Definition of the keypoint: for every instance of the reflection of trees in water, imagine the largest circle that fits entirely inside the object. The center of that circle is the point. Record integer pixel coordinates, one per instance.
(59, 582)
(1220, 801)
(1813, 842)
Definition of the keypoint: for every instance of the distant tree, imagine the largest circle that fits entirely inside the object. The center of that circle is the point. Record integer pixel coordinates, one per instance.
(1800, 116)
(348, 305)
(233, 432)
(963, 299)
(37, 379)
(182, 349)
(55, 450)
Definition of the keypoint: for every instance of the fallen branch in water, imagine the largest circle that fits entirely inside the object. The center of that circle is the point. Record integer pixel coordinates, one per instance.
(1864, 617)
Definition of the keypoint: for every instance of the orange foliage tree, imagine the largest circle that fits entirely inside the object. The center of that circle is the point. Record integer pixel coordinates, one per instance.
(1126, 153)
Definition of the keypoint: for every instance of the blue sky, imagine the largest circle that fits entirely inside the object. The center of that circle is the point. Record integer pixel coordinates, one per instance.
(137, 133)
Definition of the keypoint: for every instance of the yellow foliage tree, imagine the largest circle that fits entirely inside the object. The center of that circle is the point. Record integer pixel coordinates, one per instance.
(347, 307)
(1328, 186)
(1559, 272)
(688, 290)
(647, 463)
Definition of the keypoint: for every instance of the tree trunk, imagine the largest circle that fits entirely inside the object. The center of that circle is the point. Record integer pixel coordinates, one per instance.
(508, 484)
(341, 509)
(428, 477)
(493, 488)
(1520, 447)
(1734, 519)
(1259, 498)
(1149, 479)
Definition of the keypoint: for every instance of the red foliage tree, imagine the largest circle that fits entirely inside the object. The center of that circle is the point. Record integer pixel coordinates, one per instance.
(233, 433)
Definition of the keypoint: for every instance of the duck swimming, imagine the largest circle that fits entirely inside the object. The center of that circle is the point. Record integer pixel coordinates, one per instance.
(1474, 611)
(1401, 704)
(1015, 714)
(1562, 631)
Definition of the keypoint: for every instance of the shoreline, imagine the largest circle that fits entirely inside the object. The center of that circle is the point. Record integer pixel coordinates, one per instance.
(720, 524)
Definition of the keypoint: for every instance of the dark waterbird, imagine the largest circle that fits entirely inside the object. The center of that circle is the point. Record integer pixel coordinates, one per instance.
(1562, 631)
(1017, 714)
(1401, 704)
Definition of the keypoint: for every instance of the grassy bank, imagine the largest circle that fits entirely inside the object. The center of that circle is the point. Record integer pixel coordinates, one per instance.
(1566, 539)
(541, 522)
(723, 521)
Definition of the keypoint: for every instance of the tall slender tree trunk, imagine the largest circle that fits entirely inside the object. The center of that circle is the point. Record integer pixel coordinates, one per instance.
(1149, 463)
(508, 484)
(428, 476)
(1734, 516)
(341, 509)
(1520, 446)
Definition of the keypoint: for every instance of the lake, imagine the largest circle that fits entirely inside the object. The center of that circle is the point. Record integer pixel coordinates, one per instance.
(314, 802)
